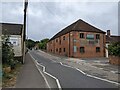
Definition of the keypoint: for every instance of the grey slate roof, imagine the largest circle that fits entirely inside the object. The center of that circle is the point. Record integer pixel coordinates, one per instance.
(79, 25)
(11, 29)
(112, 38)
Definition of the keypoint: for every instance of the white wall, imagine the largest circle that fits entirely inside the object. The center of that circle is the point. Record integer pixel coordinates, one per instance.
(106, 50)
(17, 44)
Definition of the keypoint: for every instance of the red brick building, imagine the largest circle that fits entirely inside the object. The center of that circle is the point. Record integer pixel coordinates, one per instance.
(79, 39)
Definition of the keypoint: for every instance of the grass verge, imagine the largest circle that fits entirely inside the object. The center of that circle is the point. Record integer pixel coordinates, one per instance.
(9, 79)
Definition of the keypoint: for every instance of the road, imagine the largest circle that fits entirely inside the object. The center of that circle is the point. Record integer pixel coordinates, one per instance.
(69, 77)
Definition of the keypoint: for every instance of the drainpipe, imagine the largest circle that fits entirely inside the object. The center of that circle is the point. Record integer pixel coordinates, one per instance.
(69, 44)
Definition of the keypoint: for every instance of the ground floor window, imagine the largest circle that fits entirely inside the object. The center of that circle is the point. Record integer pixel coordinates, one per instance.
(59, 50)
(75, 49)
(97, 49)
(64, 49)
(56, 50)
(82, 49)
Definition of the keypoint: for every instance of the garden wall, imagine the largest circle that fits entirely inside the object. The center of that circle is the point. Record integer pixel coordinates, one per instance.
(115, 60)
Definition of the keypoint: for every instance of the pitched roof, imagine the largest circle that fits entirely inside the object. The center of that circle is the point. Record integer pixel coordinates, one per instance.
(79, 25)
(11, 29)
(112, 38)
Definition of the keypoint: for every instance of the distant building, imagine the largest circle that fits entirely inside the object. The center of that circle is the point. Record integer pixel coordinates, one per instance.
(36, 47)
(15, 33)
(79, 39)
(110, 39)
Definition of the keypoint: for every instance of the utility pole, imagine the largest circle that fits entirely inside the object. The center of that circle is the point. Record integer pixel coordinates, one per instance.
(24, 30)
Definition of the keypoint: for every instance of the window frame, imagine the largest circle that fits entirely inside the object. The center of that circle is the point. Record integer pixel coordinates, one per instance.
(64, 50)
(63, 37)
(81, 35)
(83, 49)
(90, 36)
(60, 50)
(56, 49)
(98, 36)
(97, 49)
(56, 40)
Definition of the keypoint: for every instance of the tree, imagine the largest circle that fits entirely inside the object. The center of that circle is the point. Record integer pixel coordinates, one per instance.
(43, 43)
(30, 43)
(114, 49)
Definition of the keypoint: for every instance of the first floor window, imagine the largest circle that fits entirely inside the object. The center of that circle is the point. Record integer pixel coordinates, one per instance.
(97, 36)
(82, 49)
(63, 37)
(97, 49)
(90, 36)
(56, 40)
(81, 35)
(60, 41)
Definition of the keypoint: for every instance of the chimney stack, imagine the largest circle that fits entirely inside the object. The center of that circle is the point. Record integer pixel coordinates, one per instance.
(108, 33)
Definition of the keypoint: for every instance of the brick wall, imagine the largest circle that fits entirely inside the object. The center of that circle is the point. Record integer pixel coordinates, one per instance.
(75, 43)
(115, 60)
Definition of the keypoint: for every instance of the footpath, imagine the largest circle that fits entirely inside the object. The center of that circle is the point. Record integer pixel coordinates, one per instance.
(29, 76)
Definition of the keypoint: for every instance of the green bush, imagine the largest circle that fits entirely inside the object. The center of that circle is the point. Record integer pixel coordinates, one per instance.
(7, 52)
(114, 49)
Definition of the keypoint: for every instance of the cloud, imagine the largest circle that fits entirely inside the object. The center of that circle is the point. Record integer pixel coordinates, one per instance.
(12, 12)
(45, 19)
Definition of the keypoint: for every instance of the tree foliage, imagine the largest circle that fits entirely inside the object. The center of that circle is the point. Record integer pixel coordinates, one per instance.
(43, 43)
(30, 43)
(7, 51)
(114, 49)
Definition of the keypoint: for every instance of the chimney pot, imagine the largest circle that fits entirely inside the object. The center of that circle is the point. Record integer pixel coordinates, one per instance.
(108, 33)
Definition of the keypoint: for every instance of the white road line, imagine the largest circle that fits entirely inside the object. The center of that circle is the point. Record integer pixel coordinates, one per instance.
(103, 79)
(58, 83)
(91, 75)
(81, 71)
(65, 65)
(86, 74)
(52, 60)
(40, 71)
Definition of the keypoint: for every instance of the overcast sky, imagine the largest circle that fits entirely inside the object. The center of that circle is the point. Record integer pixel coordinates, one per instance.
(45, 19)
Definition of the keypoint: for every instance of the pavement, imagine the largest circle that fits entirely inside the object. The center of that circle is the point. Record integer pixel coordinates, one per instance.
(98, 67)
(29, 76)
(69, 72)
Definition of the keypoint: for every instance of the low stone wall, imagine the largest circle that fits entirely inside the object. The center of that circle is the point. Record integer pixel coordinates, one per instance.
(115, 60)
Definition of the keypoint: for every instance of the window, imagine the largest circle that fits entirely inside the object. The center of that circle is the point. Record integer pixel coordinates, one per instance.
(74, 40)
(56, 40)
(97, 36)
(97, 49)
(82, 49)
(63, 37)
(81, 35)
(75, 49)
(90, 36)
(60, 40)
(56, 50)
(51, 42)
(59, 50)
(14, 43)
(64, 49)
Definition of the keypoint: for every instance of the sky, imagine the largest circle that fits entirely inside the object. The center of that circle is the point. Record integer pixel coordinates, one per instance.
(45, 19)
